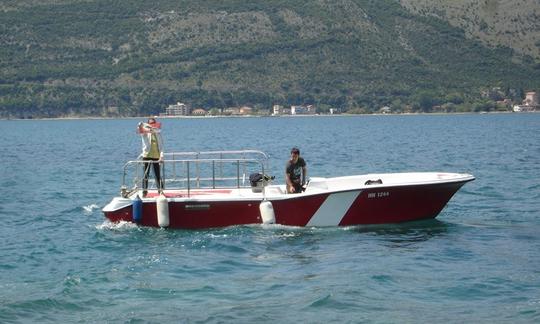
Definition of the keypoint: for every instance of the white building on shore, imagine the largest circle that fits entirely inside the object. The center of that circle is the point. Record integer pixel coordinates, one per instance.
(179, 109)
(530, 103)
(303, 110)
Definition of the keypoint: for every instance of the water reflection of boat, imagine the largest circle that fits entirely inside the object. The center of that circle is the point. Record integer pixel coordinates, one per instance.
(404, 234)
(212, 189)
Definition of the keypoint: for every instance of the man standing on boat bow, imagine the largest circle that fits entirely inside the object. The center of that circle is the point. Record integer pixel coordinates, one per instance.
(295, 172)
(152, 151)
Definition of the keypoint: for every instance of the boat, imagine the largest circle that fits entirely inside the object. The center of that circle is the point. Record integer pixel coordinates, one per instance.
(225, 188)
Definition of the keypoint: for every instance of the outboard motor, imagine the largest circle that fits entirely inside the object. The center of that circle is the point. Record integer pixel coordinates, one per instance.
(259, 180)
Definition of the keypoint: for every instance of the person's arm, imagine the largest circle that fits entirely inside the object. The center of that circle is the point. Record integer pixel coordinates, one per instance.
(142, 128)
(304, 175)
(145, 144)
(288, 182)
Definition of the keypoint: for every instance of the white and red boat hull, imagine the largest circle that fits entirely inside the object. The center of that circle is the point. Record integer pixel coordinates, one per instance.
(343, 201)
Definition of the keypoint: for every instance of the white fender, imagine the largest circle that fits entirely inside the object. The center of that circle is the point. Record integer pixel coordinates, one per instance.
(267, 212)
(162, 206)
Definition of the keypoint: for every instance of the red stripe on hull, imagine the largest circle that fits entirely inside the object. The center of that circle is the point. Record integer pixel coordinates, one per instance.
(399, 204)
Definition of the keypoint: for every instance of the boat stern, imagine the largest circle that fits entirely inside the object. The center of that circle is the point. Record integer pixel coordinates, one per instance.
(119, 209)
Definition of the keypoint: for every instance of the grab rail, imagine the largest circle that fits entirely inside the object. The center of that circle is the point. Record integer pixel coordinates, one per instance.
(222, 168)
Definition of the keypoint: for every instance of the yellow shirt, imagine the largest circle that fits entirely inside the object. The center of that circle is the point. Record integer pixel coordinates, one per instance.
(154, 148)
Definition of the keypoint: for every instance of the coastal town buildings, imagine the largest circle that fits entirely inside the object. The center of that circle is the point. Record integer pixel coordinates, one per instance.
(303, 110)
(199, 112)
(178, 109)
(245, 110)
(530, 103)
(231, 111)
(531, 99)
(494, 99)
(385, 110)
(238, 111)
(294, 110)
(280, 110)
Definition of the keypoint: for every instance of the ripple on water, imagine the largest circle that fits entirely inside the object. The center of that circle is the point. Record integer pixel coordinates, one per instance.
(62, 262)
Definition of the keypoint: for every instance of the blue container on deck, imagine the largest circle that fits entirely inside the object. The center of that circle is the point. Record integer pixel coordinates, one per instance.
(137, 209)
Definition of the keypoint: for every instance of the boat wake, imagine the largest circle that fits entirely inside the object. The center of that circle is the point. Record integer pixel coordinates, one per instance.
(119, 226)
(90, 208)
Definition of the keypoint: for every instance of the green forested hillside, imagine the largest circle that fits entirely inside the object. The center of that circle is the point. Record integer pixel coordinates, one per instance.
(132, 57)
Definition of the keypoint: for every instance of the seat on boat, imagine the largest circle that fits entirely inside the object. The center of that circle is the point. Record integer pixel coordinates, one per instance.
(317, 183)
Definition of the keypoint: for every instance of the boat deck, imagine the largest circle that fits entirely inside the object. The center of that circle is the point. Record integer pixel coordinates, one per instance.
(315, 186)
(270, 191)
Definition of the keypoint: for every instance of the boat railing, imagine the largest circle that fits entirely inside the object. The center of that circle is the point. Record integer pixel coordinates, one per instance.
(198, 170)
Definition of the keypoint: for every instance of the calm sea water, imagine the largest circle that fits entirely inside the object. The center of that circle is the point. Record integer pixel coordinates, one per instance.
(60, 261)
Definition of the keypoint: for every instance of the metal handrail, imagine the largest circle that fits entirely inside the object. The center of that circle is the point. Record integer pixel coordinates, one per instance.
(187, 159)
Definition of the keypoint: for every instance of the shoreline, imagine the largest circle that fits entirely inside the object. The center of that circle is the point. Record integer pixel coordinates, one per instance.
(267, 116)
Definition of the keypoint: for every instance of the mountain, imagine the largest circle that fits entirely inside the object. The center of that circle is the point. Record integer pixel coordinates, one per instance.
(133, 57)
(514, 24)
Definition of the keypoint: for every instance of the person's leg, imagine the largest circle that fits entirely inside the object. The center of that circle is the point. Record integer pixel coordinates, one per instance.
(157, 172)
(145, 177)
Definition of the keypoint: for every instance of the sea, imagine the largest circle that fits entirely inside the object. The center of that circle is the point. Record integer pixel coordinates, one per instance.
(61, 261)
